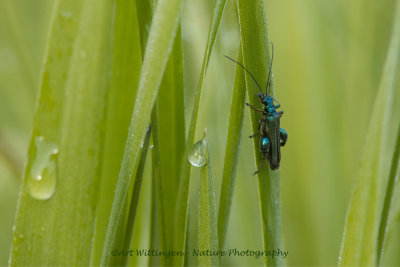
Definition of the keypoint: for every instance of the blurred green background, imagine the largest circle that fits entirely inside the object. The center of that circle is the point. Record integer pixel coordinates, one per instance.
(328, 63)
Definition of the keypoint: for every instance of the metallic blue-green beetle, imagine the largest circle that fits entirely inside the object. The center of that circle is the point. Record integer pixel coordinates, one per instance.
(272, 136)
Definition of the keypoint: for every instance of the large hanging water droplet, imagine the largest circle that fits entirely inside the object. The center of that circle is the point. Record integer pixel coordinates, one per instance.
(198, 154)
(42, 176)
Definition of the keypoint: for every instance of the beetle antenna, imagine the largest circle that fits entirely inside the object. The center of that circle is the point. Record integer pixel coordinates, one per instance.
(247, 72)
(268, 89)
(276, 100)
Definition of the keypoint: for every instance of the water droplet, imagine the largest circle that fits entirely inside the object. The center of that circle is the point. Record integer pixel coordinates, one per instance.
(41, 180)
(198, 154)
(13, 228)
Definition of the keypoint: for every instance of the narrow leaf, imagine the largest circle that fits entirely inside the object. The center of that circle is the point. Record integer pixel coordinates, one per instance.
(183, 192)
(360, 244)
(171, 134)
(207, 221)
(231, 151)
(134, 202)
(127, 60)
(144, 15)
(256, 56)
(161, 37)
(388, 200)
(158, 197)
(65, 152)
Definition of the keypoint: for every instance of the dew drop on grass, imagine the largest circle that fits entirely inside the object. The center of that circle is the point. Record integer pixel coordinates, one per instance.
(42, 175)
(198, 154)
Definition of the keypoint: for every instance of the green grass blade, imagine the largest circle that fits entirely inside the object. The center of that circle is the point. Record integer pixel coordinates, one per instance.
(231, 151)
(144, 16)
(155, 236)
(360, 242)
(388, 200)
(136, 193)
(127, 61)
(70, 112)
(158, 197)
(183, 192)
(161, 37)
(394, 171)
(171, 130)
(219, 9)
(256, 56)
(207, 221)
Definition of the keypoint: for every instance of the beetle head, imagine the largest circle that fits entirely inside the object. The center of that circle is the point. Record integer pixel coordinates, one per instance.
(263, 98)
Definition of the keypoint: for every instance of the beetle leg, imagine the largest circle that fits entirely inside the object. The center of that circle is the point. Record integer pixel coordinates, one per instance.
(261, 125)
(257, 133)
(256, 109)
(283, 136)
(264, 149)
(259, 128)
(259, 167)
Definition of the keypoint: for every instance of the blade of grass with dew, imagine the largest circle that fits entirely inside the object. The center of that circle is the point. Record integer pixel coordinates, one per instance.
(135, 194)
(256, 56)
(183, 191)
(127, 60)
(68, 117)
(207, 221)
(159, 44)
(388, 200)
(231, 151)
(360, 242)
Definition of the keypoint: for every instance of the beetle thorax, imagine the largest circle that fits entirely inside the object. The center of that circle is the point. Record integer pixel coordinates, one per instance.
(270, 108)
